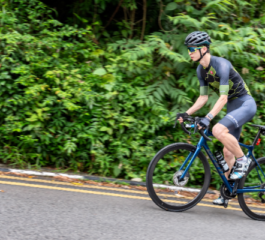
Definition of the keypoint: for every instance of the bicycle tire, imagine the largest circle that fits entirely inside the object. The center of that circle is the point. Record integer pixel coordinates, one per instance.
(242, 199)
(151, 168)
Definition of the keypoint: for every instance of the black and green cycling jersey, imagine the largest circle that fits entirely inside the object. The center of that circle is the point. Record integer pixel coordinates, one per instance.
(223, 78)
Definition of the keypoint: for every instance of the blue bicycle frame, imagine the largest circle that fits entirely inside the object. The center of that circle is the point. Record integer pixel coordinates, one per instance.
(203, 144)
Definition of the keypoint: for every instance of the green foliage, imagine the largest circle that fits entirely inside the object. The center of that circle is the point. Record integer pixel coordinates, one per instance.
(97, 98)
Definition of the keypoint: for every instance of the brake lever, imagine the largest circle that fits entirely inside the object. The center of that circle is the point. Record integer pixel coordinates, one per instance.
(189, 119)
(195, 128)
(195, 124)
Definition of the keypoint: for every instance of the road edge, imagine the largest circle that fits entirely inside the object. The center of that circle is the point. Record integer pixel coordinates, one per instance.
(93, 178)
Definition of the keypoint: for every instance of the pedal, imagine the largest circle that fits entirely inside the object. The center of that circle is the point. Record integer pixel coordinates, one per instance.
(226, 203)
(235, 187)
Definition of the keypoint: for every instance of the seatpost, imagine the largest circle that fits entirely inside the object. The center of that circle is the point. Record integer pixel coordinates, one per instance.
(256, 138)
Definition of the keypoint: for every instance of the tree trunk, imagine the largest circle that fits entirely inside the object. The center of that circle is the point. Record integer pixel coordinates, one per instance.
(144, 19)
(132, 22)
(113, 15)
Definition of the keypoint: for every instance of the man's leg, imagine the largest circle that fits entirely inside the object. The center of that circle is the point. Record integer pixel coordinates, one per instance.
(228, 132)
(222, 134)
(230, 159)
(229, 141)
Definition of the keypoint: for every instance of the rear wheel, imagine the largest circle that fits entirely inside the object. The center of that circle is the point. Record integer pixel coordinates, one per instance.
(162, 178)
(252, 203)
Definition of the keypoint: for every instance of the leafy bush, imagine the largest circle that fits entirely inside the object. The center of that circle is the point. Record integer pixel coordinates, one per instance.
(71, 100)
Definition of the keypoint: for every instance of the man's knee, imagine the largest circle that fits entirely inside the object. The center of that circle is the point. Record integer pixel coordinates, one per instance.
(219, 131)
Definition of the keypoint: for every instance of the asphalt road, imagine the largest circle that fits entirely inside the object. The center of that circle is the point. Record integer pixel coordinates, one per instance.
(40, 209)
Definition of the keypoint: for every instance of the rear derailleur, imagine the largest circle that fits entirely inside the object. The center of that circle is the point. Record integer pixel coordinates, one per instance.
(261, 194)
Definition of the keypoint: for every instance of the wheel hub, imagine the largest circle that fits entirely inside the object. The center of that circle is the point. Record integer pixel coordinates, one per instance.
(182, 182)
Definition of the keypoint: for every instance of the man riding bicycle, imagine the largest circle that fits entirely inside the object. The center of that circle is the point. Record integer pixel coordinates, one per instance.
(220, 75)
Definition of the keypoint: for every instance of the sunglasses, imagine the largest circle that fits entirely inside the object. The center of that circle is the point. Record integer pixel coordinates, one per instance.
(193, 49)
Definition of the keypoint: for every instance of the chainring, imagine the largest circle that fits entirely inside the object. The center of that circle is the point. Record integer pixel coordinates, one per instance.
(183, 182)
(225, 192)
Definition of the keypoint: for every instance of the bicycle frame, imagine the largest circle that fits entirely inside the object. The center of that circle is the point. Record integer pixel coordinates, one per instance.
(203, 144)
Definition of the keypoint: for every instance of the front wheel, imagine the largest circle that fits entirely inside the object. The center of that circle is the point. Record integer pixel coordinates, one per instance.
(162, 178)
(251, 202)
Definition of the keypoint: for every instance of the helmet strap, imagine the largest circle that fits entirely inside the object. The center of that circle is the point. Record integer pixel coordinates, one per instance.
(202, 55)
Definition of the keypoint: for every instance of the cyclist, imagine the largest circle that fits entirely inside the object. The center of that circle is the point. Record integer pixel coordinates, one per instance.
(220, 75)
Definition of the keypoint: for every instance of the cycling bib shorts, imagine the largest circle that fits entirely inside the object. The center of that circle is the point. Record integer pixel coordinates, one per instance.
(239, 111)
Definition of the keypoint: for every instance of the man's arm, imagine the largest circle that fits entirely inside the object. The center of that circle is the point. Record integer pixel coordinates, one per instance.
(219, 105)
(198, 104)
(204, 88)
(222, 70)
(204, 122)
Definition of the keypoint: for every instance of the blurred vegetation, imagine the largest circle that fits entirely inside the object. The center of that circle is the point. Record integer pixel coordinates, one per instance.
(94, 85)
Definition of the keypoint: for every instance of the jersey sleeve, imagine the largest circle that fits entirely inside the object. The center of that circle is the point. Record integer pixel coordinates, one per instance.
(204, 85)
(223, 71)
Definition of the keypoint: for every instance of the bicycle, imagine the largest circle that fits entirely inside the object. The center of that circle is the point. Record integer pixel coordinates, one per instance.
(174, 166)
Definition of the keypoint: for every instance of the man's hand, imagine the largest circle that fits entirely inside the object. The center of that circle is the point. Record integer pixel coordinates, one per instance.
(204, 123)
(180, 116)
